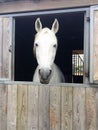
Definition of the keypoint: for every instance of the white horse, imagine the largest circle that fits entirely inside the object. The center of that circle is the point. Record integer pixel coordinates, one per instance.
(45, 47)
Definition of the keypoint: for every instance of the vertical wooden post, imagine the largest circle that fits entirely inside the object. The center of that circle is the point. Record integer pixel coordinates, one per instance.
(55, 108)
(79, 118)
(12, 107)
(3, 107)
(66, 108)
(33, 107)
(44, 108)
(22, 107)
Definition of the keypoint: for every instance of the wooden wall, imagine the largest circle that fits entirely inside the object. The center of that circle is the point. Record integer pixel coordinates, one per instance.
(95, 42)
(5, 42)
(35, 5)
(31, 107)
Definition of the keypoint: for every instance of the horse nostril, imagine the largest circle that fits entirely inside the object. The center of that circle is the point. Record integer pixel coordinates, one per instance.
(39, 71)
(44, 73)
(50, 72)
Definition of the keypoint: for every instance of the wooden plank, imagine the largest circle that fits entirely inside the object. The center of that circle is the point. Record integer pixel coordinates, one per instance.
(22, 107)
(3, 107)
(44, 107)
(55, 108)
(6, 44)
(66, 111)
(22, 6)
(79, 118)
(12, 107)
(33, 107)
(96, 108)
(1, 41)
(48, 107)
(91, 109)
(95, 45)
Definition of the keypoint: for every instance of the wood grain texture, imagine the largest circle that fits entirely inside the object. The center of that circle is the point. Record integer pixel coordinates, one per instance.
(33, 107)
(12, 107)
(91, 109)
(66, 108)
(1, 41)
(22, 6)
(95, 45)
(55, 108)
(96, 109)
(79, 118)
(5, 41)
(29, 107)
(5, 48)
(44, 108)
(3, 107)
(22, 107)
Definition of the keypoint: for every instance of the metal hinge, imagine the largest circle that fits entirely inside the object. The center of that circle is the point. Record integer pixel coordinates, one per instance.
(88, 19)
(87, 75)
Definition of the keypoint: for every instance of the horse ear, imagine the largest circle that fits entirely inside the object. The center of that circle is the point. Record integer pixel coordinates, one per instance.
(55, 26)
(38, 25)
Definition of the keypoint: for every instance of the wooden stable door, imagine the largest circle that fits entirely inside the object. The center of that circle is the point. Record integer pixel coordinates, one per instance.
(5, 47)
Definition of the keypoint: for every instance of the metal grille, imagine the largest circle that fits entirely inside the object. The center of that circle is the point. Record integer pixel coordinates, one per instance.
(77, 64)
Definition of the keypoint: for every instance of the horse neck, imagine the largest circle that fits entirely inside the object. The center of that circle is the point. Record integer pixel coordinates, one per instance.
(54, 66)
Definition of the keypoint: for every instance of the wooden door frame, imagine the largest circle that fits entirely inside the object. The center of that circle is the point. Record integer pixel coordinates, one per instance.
(58, 11)
(92, 9)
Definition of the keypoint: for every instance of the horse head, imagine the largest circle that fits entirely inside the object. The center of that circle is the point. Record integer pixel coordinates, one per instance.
(45, 47)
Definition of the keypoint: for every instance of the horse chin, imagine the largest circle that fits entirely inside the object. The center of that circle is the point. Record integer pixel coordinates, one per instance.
(44, 81)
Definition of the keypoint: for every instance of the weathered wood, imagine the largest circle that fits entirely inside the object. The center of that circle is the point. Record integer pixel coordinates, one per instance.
(96, 109)
(79, 109)
(1, 47)
(66, 108)
(22, 107)
(91, 109)
(12, 107)
(3, 107)
(95, 31)
(29, 107)
(5, 48)
(33, 107)
(55, 108)
(44, 107)
(21, 6)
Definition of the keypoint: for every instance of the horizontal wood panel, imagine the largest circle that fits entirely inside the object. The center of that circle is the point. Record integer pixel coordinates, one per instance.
(30, 107)
(21, 6)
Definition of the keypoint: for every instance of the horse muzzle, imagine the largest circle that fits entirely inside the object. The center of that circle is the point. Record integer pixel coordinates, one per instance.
(44, 75)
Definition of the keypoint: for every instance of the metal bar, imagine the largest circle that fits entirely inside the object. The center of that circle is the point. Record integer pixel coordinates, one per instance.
(13, 49)
(91, 43)
(34, 13)
(86, 47)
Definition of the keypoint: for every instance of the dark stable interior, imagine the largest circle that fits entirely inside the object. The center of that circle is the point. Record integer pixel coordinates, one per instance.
(70, 37)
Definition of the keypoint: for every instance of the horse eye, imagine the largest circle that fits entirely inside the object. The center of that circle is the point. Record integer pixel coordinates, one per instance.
(54, 45)
(36, 44)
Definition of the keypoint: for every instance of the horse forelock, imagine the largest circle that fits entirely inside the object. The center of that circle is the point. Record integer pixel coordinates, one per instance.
(44, 31)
